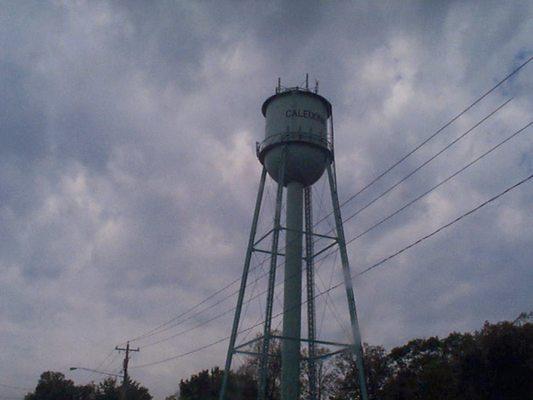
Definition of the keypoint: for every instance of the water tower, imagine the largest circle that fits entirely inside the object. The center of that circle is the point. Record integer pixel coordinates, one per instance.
(296, 151)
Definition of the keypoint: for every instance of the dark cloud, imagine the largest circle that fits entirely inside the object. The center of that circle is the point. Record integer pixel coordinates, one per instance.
(128, 173)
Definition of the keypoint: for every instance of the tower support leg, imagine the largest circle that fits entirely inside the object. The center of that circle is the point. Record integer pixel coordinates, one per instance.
(292, 299)
(309, 251)
(244, 279)
(358, 348)
(265, 350)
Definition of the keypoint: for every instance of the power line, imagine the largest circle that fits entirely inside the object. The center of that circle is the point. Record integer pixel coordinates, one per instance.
(366, 270)
(101, 364)
(441, 228)
(471, 129)
(329, 303)
(153, 331)
(447, 124)
(486, 153)
(183, 332)
(367, 230)
(14, 387)
(397, 211)
(105, 359)
(159, 329)
(164, 325)
(414, 171)
(187, 353)
(111, 362)
(428, 191)
(220, 315)
(433, 188)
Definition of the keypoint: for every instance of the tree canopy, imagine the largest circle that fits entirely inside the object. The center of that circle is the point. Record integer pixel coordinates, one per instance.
(54, 386)
(494, 363)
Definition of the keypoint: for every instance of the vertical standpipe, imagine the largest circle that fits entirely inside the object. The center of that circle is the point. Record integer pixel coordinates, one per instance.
(292, 297)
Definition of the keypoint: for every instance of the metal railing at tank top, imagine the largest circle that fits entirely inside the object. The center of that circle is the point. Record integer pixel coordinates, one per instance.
(287, 137)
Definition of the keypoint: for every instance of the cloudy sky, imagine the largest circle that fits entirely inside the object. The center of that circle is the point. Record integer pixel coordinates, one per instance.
(128, 174)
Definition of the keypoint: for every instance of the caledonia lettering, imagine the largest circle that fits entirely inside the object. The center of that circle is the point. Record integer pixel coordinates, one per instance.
(305, 114)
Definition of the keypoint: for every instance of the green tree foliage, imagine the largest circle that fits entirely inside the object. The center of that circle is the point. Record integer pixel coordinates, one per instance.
(242, 384)
(500, 363)
(206, 384)
(251, 366)
(495, 363)
(54, 386)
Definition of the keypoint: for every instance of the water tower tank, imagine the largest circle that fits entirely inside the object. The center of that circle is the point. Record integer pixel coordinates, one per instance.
(296, 120)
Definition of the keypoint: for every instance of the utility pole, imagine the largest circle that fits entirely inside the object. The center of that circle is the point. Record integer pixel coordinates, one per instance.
(125, 378)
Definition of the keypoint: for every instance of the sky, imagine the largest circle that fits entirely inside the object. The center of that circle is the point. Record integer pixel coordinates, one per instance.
(128, 173)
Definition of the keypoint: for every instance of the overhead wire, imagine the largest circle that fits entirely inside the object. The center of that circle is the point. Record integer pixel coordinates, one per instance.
(174, 322)
(438, 131)
(328, 302)
(433, 157)
(419, 167)
(245, 313)
(194, 307)
(468, 165)
(158, 329)
(442, 182)
(443, 227)
(14, 387)
(218, 316)
(101, 364)
(163, 326)
(361, 272)
(245, 337)
(322, 318)
(111, 362)
(388, 217)
(397, 211)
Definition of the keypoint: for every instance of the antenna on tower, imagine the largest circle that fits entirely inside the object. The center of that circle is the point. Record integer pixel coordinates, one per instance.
(316, 85)
(278, 89)
(307, 81)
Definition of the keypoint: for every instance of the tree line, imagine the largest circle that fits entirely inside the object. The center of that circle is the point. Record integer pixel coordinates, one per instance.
(493, 363)
(54, 386)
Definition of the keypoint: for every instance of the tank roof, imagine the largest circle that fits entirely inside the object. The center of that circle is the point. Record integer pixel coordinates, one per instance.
(298, 90)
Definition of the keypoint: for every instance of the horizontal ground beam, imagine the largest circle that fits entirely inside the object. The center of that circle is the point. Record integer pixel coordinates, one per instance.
(254, 354)
(324, 342)
(311, 233)
(249, 342)
(327, 355)
(267, 252)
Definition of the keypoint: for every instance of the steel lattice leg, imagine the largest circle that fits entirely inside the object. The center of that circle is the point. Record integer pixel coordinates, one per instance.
(358, 348)
(242, 289)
